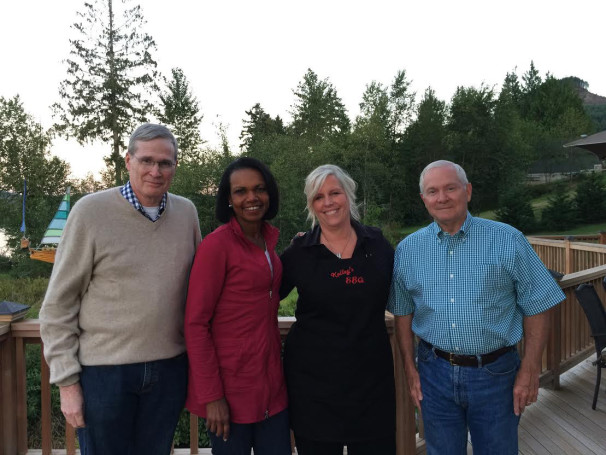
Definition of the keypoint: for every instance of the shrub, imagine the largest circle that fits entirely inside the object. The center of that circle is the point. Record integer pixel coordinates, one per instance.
(560, 213)
(515, 209)
(590, 199)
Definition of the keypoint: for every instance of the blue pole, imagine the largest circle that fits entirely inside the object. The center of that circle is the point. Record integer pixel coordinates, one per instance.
(23, 214)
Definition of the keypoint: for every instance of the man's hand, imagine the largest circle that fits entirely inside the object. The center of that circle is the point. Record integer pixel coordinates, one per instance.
(405, 338)
(414, 386)
(217, 418)
(72, 404)
(526, 386)
(525, 389)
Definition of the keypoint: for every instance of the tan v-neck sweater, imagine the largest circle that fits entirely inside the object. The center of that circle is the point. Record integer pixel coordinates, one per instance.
(118, 288)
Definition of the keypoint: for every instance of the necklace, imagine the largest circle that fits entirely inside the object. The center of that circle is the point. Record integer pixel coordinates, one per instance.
(331, 248)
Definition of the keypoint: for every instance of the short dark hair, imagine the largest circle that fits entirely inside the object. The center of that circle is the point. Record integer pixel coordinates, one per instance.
(222, 210)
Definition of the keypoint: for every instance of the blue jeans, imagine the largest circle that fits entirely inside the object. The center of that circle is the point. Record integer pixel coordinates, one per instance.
(457, 399)
(267, 437)
(133, 408)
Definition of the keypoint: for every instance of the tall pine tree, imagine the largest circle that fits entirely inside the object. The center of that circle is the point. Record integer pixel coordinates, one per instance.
(182, 114)
(110, 78)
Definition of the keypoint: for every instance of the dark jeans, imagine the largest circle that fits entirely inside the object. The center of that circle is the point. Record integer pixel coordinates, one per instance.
(133, 408)
(457, 399)
(384, 446)
(267, 437)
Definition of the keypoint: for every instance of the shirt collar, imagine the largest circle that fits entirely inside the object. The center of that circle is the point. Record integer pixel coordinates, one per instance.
(131, 197)
(436, 230)
(270, 233)
(312, 237)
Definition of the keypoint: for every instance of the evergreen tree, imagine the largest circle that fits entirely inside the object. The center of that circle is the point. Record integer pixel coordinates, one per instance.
(590, 199)
(401, 105)
(369, 153)
(318, 112)
(257, 129)
(472, 141)
(24, 155)
(515, 209)
(560, 212)
(424, 142)
(181, 114)
(110, 77)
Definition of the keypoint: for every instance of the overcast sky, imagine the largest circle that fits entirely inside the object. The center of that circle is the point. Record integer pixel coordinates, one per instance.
(238, 53)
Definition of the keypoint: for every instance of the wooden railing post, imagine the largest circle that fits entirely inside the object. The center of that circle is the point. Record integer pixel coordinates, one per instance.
(406, 428)
(45, 400)
(20, 378)
(8, 391)
(193, 434)
(568, 263)
(554, 346)
(602, 239)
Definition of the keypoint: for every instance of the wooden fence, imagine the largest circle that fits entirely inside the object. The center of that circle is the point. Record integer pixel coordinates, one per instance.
(566, 255)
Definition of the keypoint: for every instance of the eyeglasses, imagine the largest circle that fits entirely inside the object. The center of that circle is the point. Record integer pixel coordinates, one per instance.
(148, 164)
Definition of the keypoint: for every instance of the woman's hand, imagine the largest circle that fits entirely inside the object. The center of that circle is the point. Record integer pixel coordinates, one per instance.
(217, 418)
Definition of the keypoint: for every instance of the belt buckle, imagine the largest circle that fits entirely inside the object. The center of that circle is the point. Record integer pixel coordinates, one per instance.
(451, 359)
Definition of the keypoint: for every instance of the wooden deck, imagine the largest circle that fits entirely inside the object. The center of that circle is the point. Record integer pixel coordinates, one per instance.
(561, 422)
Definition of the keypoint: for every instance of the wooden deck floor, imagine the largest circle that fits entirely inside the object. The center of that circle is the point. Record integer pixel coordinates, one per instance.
(560, 423)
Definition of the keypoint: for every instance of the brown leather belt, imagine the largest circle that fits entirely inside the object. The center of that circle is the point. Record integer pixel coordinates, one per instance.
(469, 360)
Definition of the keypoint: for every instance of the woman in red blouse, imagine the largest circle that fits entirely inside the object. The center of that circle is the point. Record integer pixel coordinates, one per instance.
(236, 380)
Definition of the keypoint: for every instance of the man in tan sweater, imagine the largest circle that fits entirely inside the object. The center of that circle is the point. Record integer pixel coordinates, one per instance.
(112, 317)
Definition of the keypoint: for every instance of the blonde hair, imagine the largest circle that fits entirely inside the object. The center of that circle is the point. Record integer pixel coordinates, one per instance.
(315, 180)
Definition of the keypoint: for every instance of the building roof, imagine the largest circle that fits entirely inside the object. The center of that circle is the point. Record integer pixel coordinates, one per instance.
(595, 143)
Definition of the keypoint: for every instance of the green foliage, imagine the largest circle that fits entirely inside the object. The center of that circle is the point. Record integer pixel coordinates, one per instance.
(28, 291)
(259, 127)
(182, 436)
(590, 199)
(597, 113)
(318, 112)
(182, 115)
(110, 77)
(515, 209)
(472, 142)
(24, 267)
(24, 155)
(423, 143)
(198, 181)
(288, 304)
(560, 213)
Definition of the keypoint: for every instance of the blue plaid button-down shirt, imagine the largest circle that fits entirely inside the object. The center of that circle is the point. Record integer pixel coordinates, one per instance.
(470, 291)
(130, 196)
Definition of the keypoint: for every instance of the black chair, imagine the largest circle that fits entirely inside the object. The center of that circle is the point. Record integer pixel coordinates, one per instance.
(596, 315)
(556, 275)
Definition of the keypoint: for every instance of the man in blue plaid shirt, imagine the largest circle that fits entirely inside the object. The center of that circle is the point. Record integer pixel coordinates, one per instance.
(469, 288)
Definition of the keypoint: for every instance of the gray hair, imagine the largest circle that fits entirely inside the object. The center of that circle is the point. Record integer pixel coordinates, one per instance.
(316, 179)
(149, 132)
(443, 163)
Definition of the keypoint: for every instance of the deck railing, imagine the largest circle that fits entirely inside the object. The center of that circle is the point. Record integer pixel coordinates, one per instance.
(13, 418)
(569, 343)
(570, 254)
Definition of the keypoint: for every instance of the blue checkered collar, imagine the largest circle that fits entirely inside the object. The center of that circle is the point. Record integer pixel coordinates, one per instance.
(131, 197)
(436, 230)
